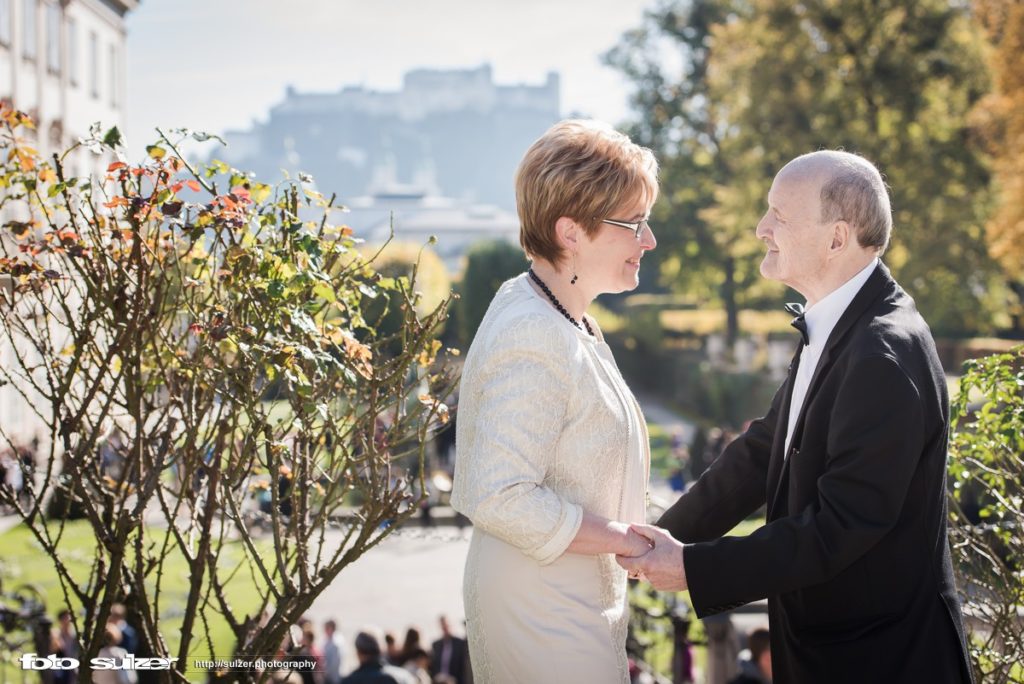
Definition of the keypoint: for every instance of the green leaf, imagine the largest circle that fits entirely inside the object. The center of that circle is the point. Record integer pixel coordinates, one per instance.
(325, 291)
(156, 152)
(112, 138)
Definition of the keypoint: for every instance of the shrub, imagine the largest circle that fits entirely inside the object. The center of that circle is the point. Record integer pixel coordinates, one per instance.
(148, 313)
(987, 511)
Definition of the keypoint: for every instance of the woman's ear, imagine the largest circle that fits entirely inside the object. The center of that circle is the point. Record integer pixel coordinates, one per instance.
(569, 233)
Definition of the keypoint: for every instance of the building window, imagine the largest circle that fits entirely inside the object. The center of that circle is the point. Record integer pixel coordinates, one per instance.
(94, 64)
(29, 29)
(5, 22)
(73, 51)
(112, 59)
(53, 38)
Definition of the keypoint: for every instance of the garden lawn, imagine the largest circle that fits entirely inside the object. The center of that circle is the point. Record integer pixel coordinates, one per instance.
(23, 562)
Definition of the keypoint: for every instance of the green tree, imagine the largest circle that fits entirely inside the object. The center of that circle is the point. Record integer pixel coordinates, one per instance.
(893, 81)
(667, 59)
(148, 312)
(728, 92)
(488, 265)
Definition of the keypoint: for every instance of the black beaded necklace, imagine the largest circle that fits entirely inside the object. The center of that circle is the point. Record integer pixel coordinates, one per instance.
(558, 304)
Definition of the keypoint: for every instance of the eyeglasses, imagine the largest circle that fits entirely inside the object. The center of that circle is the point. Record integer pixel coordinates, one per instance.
(637, 227)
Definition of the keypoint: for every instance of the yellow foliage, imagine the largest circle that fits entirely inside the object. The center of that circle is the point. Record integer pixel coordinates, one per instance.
(1001, 115)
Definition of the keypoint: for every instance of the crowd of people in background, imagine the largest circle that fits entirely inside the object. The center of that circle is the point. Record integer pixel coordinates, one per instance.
(383, 660)
(380, 658)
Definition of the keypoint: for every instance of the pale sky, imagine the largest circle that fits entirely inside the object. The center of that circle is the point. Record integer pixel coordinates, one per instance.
(221, 64)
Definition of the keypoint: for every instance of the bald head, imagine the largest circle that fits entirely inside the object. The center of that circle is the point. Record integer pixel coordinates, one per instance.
(851, 190)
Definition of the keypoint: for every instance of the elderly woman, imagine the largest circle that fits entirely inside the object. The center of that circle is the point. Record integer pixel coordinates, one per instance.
(552, 453)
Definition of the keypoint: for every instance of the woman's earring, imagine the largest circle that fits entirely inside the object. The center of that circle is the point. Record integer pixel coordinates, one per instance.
(574, 276)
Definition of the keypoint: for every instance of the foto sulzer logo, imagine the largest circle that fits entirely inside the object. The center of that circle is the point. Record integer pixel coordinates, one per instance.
(34, 661)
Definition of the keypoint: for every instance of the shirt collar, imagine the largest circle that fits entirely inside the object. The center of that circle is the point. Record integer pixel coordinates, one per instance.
(823, 316)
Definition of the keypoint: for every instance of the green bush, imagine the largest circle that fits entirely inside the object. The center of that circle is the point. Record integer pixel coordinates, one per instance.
(987, 511)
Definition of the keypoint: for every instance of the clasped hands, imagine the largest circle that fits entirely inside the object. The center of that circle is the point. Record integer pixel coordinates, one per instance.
(655, 555)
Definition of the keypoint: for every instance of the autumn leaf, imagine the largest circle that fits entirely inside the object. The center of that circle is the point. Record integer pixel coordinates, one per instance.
(260, 192)
(117, 201)
(26, 159)
(193, 185)
(427, 356)
(115, 166)
(358, 353)
(156, 152)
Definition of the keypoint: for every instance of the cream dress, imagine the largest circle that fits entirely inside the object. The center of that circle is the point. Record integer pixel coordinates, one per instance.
(547, 429)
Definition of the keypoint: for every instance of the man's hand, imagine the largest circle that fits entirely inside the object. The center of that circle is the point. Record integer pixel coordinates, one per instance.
(662, 565)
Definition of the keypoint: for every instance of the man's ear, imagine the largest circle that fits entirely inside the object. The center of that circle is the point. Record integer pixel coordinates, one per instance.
(568, 233)
(842, 233)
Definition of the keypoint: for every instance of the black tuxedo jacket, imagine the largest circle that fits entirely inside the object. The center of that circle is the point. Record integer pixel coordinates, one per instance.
(854, 557)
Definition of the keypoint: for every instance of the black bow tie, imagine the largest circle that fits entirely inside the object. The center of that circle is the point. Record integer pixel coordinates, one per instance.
(800, 323)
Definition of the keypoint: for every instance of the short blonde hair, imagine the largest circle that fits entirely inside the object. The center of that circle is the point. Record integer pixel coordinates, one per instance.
(581, 169)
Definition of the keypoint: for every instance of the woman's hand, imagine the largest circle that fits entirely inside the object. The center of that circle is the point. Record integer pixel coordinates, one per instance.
(600, 535)
(635, 544)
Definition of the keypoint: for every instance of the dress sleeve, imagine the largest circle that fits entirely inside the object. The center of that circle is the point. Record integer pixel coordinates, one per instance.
(505, 452)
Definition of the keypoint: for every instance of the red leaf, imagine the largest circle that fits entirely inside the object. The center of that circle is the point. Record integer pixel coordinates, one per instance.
(115, 166)
(193, 185)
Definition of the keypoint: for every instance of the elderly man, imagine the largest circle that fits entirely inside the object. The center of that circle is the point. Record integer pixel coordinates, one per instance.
(850, 460)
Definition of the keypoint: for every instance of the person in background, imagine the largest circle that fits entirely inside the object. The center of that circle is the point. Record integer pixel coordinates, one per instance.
(392, 652)
(113, 637)
(412, 643)
(118, 618)
(332, 650)
(758, 668)
(65, 641)
(450, 655)
(372, 668)
(308, 648)
(417, 663)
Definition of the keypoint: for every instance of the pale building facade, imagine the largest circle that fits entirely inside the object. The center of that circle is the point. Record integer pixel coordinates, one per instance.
(63, 63)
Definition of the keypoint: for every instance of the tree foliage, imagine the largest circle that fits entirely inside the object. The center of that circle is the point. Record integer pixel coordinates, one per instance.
(893, 81)
(987, 515)
(667, 58)
(488, 265)
(148, 312)
(1001, 116)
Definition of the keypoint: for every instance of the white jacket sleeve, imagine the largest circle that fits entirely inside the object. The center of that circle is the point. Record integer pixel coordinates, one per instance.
(507, 440)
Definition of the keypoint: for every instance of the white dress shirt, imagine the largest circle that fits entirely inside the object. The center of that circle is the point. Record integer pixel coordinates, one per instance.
(821, 319)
